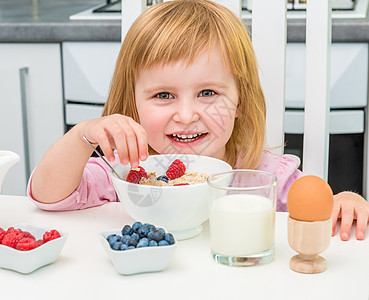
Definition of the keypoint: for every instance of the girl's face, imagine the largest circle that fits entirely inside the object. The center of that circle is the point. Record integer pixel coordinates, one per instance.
(188, 108)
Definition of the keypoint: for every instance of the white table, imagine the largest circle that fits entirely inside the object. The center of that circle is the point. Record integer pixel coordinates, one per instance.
(84, 271)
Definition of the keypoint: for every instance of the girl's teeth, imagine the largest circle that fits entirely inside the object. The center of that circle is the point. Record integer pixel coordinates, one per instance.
(186, 138)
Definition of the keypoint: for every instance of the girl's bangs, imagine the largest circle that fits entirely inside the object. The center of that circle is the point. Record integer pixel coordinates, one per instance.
(177, 36)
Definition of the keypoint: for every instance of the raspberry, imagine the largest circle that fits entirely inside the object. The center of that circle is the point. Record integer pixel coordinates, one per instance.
(176, 169)
(50, 235)
(134, 175)
(39, 243)
(142, 172)
(2, 234)
(181, 184)
(26, 243)
(26, 234)
(11, 239)
(10, 230)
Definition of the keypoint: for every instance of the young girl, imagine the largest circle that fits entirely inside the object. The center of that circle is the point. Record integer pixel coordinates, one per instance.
(186, 81)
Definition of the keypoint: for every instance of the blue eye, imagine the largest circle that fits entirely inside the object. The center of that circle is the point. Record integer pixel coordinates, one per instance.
(164, 96)
(206, 93)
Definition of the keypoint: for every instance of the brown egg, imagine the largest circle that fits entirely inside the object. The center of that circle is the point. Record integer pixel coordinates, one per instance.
(310, 198)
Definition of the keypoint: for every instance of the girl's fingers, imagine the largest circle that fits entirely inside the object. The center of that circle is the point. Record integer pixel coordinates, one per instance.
(347, 217)
(132, 147)
(361, 223)
(122, 133)
(141, 137)
(105, 146)
(335, 215)
(121, 146)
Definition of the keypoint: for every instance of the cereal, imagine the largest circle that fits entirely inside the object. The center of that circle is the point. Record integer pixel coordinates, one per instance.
(176, 174)
(189, 177)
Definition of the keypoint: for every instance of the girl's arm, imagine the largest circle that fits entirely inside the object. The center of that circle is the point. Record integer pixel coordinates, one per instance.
(349, 206)
(60, 170)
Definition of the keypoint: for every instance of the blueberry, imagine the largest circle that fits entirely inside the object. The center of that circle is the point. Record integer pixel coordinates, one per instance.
(117, 246)
(127, 230)
(152, 243)
(131, 242)
(143, 231)
(163, 178)
(156, 235)
(144, 239)
(151, 227)
(169, 238)
(163, 243)
(131, 247)
(142, 243)
(113, 240)
(136, 226)
(161, 229)
(110, 236)
(135, 236)
(125, 239)
(123, 247)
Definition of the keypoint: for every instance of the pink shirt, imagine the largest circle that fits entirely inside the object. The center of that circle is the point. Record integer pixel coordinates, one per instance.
(96, 187)
(285, 167)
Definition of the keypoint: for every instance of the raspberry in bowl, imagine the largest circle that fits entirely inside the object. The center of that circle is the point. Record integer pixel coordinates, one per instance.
(179, 205)
(25, 248)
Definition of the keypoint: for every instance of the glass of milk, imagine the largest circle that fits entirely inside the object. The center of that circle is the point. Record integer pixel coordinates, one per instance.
(242, 217)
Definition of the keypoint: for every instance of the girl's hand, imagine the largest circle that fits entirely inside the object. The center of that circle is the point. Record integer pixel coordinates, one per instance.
(117, 132)
(349, 206)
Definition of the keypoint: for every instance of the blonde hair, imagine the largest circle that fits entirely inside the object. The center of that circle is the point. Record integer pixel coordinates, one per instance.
(183, 29)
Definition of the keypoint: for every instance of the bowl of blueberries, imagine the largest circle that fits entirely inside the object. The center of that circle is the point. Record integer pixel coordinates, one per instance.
(169, 190)
(139, 248)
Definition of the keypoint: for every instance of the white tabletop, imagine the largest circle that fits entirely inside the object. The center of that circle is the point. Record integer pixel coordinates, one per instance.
(84, 271)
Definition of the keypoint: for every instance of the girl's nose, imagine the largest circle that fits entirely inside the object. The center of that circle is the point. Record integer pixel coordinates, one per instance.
(186, 112)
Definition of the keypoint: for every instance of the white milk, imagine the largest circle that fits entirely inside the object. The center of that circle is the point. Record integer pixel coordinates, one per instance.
(241, 225)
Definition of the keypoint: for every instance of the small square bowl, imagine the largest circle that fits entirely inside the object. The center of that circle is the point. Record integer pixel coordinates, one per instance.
(139, 260)
(28, 261)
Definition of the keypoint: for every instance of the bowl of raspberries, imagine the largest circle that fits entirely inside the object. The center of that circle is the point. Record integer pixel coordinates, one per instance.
(25, 248)
(139, 248)
(169, 190)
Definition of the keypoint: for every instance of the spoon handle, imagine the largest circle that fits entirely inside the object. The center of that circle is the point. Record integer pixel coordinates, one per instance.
(97, 152)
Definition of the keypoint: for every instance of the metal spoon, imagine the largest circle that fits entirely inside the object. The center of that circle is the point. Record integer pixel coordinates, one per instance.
(97, 152)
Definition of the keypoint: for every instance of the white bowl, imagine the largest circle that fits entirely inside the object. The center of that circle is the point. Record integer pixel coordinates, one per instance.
(28, 261)
(180, 209)
(138, 260)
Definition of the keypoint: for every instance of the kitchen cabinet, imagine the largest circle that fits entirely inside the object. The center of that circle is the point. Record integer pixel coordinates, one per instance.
(31, 106)
(88, 68)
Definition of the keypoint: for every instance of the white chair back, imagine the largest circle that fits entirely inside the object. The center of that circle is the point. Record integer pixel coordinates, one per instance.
(269, 38)
(269, 27)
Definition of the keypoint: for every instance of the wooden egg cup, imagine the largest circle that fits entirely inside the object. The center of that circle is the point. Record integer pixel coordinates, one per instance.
(309, 239)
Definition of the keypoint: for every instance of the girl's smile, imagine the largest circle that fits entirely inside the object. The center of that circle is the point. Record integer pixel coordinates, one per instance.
(188, 108)
(185, 140)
